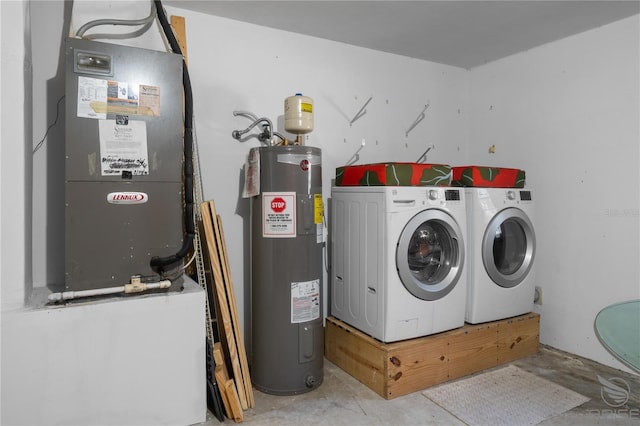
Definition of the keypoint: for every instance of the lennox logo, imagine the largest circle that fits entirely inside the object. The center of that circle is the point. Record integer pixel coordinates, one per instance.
(127, 198)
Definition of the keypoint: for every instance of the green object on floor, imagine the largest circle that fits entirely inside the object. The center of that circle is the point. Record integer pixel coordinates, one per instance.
(618, 329)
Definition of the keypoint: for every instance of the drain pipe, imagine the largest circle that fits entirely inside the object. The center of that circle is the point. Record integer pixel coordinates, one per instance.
(135, 286)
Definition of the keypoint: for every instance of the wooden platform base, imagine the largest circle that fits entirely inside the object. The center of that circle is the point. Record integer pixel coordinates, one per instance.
(399, 368)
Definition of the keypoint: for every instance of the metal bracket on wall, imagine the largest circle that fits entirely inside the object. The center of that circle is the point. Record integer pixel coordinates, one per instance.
(417, 121)
(362, 111)
(355, 157)
(423, 157)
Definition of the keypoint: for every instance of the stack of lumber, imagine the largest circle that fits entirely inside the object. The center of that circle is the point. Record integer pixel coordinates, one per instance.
(234, 383)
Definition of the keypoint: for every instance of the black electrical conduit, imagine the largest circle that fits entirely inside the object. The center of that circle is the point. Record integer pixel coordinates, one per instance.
(160, 263)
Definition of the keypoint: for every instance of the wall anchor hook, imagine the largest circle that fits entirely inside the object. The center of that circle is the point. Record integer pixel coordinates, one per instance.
(423, 157)
(355, 157)
(417, 121)
(362, 111)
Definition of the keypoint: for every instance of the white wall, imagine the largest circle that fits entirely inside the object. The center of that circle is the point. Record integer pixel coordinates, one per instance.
(568, 114)
(15, 154)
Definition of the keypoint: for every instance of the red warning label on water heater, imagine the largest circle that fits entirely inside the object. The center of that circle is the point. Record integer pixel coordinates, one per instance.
(279, 214)
(278, 204)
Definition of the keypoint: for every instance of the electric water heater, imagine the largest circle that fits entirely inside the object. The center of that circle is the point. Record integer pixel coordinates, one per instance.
(286, 270)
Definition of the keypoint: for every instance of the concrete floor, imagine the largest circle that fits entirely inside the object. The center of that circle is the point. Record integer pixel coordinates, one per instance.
(342, 400)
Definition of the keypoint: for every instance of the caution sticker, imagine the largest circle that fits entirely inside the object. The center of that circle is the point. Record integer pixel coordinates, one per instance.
(123, 147)
(98, 97)
(306, 107)
(305, 301)
(318, 208)
(279, 214)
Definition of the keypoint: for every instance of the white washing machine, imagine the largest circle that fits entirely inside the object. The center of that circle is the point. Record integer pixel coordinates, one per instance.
(501, 245)
(398, 256)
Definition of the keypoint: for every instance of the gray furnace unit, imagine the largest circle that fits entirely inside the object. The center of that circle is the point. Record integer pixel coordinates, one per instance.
(286, 270)
(123, 171)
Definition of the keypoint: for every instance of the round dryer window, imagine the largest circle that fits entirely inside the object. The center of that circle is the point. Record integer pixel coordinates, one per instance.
(430, 255)
(508, 247)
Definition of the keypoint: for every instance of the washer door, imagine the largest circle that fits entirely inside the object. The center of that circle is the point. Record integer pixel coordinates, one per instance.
(430, 254)
(508, 247)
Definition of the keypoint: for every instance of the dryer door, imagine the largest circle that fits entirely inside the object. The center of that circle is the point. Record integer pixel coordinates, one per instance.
(430, 254)
(508, 247)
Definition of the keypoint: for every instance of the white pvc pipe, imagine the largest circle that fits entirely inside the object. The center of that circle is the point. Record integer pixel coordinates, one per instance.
(128, 288)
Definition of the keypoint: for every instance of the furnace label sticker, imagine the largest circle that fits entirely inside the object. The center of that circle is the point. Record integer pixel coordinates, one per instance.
(133, 99)
(123, 148)
(305, 301)
(92, 98)
(278, 214)
(149, 101)
(97, 98)
(122, 98)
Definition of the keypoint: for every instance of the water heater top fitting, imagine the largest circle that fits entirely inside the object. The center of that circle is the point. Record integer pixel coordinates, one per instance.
(298, 114)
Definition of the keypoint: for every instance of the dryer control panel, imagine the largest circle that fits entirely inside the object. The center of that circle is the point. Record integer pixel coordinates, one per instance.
(452, 195)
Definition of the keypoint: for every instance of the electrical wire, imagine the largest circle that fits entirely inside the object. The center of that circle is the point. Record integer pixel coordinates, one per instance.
(160, 263)
(178, 273)
(128, 22)
(39, 145)
(186, 265)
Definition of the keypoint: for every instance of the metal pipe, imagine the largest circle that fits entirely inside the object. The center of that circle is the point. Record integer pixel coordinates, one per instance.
(246, 114)
(237, 134)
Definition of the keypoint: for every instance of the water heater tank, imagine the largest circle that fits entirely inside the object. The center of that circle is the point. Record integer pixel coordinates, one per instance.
(286, 271)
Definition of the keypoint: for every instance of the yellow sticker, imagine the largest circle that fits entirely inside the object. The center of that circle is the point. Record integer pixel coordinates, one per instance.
(305, 107)
(318, 208)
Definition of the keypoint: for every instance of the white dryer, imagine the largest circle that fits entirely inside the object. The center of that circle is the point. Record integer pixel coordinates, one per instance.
(501, 247)
(398, 259)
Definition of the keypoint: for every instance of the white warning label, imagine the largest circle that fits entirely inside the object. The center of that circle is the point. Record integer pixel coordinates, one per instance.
(123, 147)
(278, 214)
(92, 98)
(305, 301)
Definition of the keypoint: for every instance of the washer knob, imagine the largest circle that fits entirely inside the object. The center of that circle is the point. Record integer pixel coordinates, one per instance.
(433, 194)
(511, 195)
